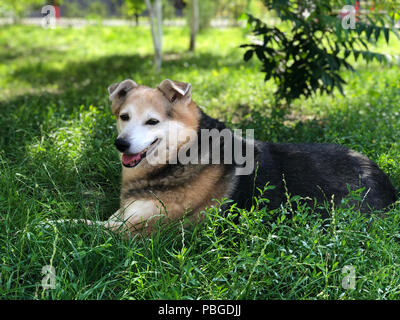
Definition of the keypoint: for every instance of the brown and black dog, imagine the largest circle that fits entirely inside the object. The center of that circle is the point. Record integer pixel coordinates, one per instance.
(156, 124)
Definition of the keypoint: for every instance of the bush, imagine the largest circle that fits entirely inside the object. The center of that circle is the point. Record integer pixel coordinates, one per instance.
(305, 52)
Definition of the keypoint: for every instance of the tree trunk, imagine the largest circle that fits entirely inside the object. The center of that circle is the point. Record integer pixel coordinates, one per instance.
(155, 15)
(137, 19)
(194, 24)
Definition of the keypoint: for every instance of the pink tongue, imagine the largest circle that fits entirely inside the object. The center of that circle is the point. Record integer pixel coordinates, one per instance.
(128, 158)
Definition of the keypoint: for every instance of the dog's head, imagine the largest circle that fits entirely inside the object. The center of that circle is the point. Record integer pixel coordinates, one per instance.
(147, 116)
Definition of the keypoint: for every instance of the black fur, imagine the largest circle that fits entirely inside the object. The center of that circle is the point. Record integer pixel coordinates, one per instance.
(317, 171)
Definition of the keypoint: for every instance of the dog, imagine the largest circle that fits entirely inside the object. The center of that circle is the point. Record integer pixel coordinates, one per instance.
(146, 118)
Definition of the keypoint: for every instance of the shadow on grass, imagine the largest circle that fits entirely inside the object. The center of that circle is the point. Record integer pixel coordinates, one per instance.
(109, 69)
(7, 53)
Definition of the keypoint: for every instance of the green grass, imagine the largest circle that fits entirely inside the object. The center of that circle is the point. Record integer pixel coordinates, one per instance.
(57, 160)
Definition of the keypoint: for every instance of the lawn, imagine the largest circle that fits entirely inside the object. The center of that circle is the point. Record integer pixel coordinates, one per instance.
(57, 160)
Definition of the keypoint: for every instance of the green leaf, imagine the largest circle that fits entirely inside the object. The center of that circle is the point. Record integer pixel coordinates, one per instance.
(377, 33)
(368, 32)
(387, 34)
(248, 55)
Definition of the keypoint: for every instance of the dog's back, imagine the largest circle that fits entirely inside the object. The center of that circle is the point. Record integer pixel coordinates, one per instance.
(317, 171)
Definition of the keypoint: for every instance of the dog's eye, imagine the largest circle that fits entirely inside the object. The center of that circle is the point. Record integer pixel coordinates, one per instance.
(152, 122)
(124, 117)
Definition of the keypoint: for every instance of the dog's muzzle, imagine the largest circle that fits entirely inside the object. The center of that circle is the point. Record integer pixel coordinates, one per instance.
(122, 145)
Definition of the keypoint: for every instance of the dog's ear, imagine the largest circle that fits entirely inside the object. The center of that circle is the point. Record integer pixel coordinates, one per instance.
(118, 91)
(176, 91)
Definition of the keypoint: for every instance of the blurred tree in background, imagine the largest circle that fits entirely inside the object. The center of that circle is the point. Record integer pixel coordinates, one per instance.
(168, 10)
(232, 9)
(133, 8)
(306, 49)
(96, 10)
(194, 23)
(19, 8)
(74, 10)
(207, 11)
(154, 9)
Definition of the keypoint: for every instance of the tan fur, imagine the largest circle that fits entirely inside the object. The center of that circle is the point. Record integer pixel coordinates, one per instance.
(189, 198)
(188, 116)
(185, 194)
(143, 98)
(186, 200)
(193, 196)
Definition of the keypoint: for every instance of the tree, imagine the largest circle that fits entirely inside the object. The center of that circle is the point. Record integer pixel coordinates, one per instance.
(232, 8)
(305, 53)
(96, 10)
(155, 15)
(133, 8)
(206, 11)
(194, 23)
(19, 8)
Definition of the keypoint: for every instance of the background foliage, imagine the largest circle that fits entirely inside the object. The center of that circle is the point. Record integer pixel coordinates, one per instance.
(305, 51)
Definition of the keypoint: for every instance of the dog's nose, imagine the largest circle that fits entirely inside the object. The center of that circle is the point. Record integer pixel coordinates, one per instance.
(122, 145)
